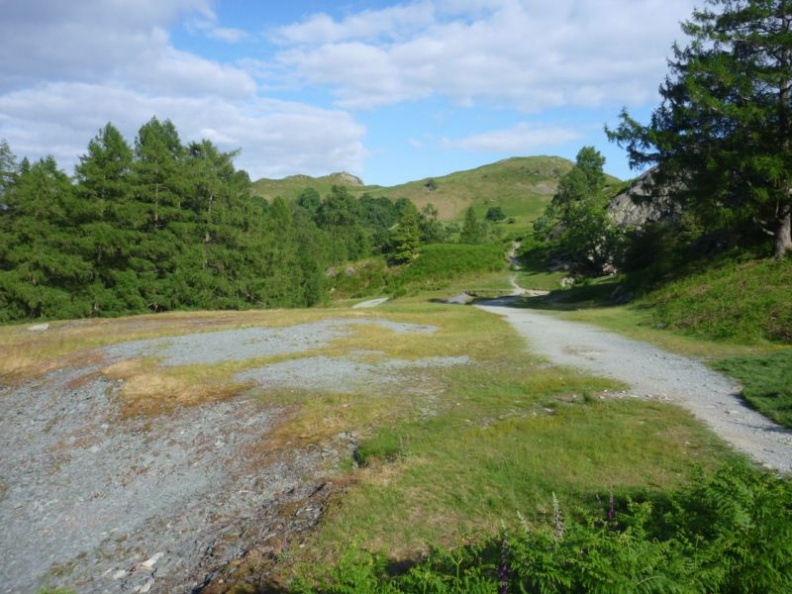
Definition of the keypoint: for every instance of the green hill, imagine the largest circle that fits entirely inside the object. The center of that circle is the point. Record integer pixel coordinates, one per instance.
(291, 187)
(521, 186)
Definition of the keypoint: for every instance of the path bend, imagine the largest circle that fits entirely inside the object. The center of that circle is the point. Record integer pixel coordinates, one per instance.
(652, 372)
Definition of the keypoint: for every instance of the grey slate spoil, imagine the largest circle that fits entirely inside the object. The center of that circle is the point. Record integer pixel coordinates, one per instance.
(101, 504)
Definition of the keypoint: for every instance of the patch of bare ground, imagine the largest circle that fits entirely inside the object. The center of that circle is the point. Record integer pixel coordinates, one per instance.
(142, 465)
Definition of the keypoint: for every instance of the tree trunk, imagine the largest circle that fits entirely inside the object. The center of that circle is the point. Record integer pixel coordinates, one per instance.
(783, 236)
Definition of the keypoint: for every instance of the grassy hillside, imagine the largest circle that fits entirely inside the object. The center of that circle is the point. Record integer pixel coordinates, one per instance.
(290, 187)
(521, 186)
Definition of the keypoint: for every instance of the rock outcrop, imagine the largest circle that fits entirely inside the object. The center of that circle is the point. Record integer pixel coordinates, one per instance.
(642, 203)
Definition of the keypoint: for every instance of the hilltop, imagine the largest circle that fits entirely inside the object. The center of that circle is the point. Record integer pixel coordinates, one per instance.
(290, 187)
(521, 186)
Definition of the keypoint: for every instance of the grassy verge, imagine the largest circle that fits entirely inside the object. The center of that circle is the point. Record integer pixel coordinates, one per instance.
(767, 383)
(743, 302)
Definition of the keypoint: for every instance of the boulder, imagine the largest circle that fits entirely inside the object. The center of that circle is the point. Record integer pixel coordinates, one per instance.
(643, 202)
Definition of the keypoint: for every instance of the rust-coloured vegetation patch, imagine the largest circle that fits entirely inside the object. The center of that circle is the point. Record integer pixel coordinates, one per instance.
(148, 389)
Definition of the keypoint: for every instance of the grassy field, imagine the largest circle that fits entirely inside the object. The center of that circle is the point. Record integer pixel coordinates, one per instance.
(504, 436)
(471, 449)
(513, 436)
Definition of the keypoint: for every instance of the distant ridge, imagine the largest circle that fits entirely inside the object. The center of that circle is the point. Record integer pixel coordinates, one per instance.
(521, 186)
(341, 177)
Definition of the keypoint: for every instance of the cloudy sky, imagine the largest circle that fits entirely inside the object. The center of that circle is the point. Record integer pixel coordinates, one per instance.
(390, 91)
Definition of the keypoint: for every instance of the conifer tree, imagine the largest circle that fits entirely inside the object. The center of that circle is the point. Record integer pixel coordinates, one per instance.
(41, 271)
(723, 131)
(471, 228)
(104, 192)
(406, 236)
(8, 168)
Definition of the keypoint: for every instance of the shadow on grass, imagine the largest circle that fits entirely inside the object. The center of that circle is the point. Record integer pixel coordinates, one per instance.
(600, 293)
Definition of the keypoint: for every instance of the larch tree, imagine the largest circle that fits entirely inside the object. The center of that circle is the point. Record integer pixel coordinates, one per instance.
(104, 191)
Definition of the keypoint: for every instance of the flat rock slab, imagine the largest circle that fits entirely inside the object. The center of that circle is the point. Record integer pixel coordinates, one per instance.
(371, 303)
(99, 503)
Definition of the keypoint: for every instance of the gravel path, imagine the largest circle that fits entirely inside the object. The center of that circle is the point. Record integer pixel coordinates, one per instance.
(655, 373)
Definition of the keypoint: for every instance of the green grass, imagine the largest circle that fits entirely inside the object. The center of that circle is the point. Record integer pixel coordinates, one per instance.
(500, 437)
(533, 272)
(743, 302)
(767, 383)
(510, 434)
(728, 531)
(440, 264)
(457, 456)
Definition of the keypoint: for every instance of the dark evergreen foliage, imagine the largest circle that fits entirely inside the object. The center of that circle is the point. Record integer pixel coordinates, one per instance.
(722, 136)
(159, 227)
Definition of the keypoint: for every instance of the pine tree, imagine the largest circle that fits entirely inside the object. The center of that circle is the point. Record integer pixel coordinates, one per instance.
(104, 192)
(41, 271)
(471, 228)
(8, 168)
(160, 186)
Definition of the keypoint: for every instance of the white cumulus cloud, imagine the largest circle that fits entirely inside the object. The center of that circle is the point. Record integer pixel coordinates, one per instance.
(71, 67)
(528, 54)
(277, 138)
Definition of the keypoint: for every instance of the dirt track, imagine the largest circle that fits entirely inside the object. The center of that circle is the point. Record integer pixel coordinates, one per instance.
(653, 373)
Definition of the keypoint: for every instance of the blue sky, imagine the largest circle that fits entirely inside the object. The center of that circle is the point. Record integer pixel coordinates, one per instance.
(389, 91)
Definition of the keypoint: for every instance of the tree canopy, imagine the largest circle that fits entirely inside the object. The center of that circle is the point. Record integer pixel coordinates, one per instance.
(156, 226)
(723, 131)
(161, 224)
(577, 217)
